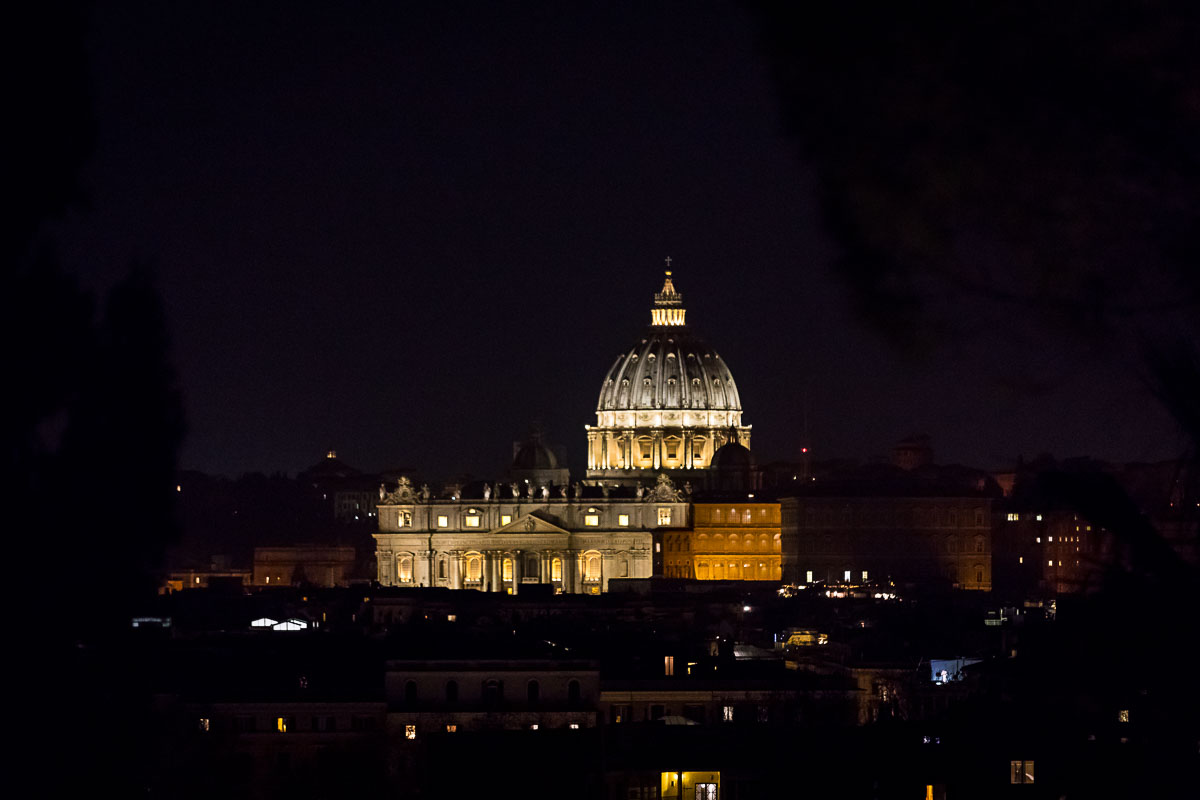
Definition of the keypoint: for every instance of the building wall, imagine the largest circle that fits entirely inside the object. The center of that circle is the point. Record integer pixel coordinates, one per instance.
(907, 539)
(320, 566)
(728, 541)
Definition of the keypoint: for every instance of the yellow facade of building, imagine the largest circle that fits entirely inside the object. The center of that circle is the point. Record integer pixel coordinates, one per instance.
(730, 541)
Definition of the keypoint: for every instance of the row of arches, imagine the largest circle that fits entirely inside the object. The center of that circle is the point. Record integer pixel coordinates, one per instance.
(532, 565)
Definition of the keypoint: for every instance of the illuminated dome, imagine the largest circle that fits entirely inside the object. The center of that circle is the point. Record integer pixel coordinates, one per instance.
(667, 403)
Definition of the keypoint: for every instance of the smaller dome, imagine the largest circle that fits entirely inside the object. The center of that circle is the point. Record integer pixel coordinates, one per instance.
(534, 455)
(731, 456)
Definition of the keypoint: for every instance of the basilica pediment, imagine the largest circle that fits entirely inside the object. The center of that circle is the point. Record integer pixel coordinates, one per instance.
(527, 524)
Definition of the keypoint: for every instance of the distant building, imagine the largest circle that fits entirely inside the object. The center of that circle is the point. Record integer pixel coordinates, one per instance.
(297, 565)
(919, 527)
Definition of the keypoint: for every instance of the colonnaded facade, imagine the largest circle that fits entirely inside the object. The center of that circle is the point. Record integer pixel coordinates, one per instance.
(573, 541)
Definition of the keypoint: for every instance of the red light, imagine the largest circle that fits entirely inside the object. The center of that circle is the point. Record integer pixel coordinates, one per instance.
(803, 449)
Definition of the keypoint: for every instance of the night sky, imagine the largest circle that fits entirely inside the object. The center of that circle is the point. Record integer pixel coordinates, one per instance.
(407, 233)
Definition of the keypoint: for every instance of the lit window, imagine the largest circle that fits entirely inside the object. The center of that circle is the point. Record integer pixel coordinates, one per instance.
(808, 576)
(410, 731)
(1049, 538)
(623, 520)
(404, 569)
(1122, 716)
(668, 665)
(1049, 563)
(203, 723)
(664, 516)
(533, 727)
(556, 569)
(591, 569)
(591, 520)
(283, 723)
(1021, 772)
(404, 519)
(727, 713)
(449, 729)
(507, 570)
(505, 519)
(472, 521)
(474, 569)
(864, 575)
(1038, 517)
(1020, 559)
(574, 726)
(443, 521)
(658, 547)
(1013, 517)
(846, 576)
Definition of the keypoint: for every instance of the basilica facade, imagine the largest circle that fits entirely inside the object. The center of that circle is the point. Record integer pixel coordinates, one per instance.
(574, 541)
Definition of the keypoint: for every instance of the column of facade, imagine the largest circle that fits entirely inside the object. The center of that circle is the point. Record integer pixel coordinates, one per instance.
(591, 449)
(658, 445)
(386, 563)
(517, 570)
(604, 450)
(607, 567)
(568, 565)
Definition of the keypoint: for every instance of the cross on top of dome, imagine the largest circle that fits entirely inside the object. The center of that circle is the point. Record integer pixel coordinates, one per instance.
(668, 304)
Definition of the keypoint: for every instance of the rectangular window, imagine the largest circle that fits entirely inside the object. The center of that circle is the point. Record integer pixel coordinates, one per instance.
(283, 723)
(410, 731)
(1013, 517)
(451, 729)
(668, 665)
(472, 521)
(864, 576)
(623, 520)
(658, 547)
(846, 576)
(727, 713)
(808, 576)
(203, 725)
(505, 519)
(404, 519)
(664, 516)
(1021, 772)
(620, 714)
(443, 521)
(591, 520)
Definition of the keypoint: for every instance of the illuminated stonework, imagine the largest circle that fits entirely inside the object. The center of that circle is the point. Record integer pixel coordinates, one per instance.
(666, 405)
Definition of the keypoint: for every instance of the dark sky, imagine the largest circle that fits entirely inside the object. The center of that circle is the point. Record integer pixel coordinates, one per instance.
(405, 233)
